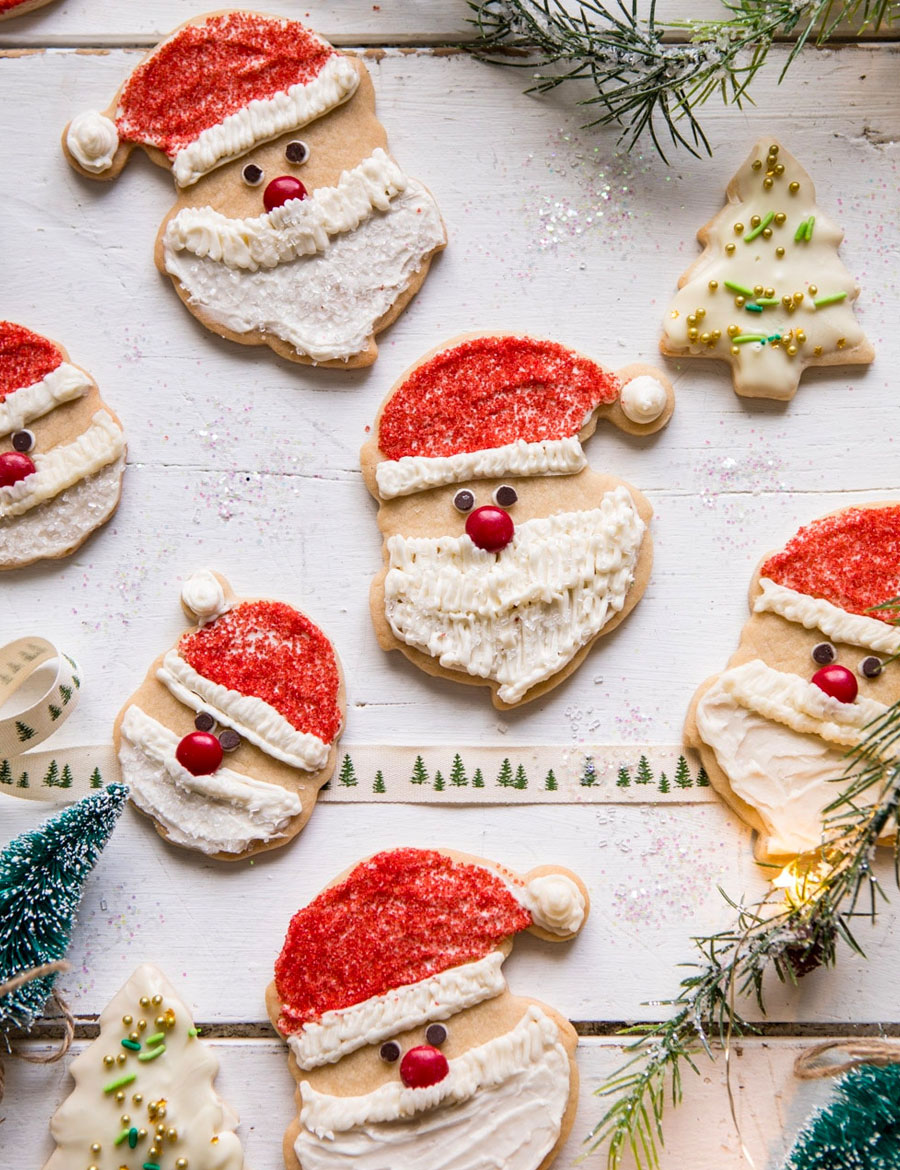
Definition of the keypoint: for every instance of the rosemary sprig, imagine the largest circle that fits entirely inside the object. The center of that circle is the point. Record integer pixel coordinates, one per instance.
(640, 79)
(825, 890)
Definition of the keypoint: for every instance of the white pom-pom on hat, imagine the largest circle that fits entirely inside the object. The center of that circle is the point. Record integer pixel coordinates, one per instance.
(203, 596)
(92, 140)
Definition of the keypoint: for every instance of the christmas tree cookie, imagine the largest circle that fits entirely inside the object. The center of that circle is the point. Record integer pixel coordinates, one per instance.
(144, 1093)
(294, 228)
(769, 295)
(404, 1037)
(42, 876)
(506, 556)
(235, 729)
(62, 451)
(815, 666)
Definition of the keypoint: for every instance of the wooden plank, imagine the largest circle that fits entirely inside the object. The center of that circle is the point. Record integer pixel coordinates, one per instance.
(770, 1105)
(343, 22)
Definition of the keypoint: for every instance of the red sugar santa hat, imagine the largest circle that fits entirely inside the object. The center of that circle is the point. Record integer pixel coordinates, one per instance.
(260, 667)
(33, 377)
(831, 574)
(487, 407)
(214, 89)
(409, 936)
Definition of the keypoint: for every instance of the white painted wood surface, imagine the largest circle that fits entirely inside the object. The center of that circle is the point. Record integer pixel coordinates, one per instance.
(248, 464)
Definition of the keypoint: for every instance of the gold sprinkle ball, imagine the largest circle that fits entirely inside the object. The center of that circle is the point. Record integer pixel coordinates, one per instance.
(798, 297)
(142, 1024)
(713, 285)
(169, 1017)
(755, 221)
(181, 1163)
(779, 252)
(156, 1001)
(787, 300)
(142, 1133)
(773, 149)
(740, 302)
(735, 350)
(704, 337)
(120, 1097)
(160, 1022)
(792, 349)
(172, 1135)
(145, 1001)
(801, 336)
(779, 170)
(127, 1021)
(729, 248)
(692, 319)
(125, 1119)
(738, 228)
(701, 313)
(138, 1098)
(813, 289)
(767, 233)
(153, 1152)
(767, 183)
(693, 334)
(769, 292)
(780, 217)
(733, 330)
(134, 1036)
(109, 1061)
(757, 164)
(96, 1148)
(716, 334)
(794, 187)
(757, 290)
(121, 1058)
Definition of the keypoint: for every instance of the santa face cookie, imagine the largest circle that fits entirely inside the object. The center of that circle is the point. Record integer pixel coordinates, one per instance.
(10, 8)
(234, 731)
(810, 673)
(294, 227)
(404, 1037)
(144, 1092)
(62, 451)
(769, 294)
(505, 555)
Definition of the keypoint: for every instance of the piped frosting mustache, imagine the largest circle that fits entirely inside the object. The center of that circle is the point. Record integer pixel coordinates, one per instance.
(793, 702)
(300, 227)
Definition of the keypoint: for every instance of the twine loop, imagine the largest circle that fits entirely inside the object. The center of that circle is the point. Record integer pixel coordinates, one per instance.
(20, 980)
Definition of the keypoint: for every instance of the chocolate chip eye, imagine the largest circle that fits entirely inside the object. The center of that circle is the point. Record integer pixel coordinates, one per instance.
(870, 667)
(436, 1035)
(23, 441)
(390, 1051)
(252, 175)
(464, 501)
(505, 496)
(296, 152)
(204, 721)
(824, 653)
(230, 740)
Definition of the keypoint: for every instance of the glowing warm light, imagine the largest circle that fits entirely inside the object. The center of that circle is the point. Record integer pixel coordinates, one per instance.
(801, 880)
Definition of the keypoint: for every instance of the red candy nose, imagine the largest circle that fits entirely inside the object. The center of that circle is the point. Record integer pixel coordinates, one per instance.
(200, 753)
(13, 467)
(490, 528)
(837, 681)
(423, 1066)
(282, 189)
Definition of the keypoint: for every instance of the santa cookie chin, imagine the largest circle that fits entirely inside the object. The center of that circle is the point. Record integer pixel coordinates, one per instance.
(294, 227)
(505, 555)
(406, 1045)
(810, 673)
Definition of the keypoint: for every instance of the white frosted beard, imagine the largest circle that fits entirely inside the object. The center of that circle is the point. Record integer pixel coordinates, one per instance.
(516, 617)
(318, 273)
(501, 1104)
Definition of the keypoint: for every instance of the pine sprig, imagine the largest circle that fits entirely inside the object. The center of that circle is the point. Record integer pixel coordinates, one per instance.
(792, 930)
(643, 81)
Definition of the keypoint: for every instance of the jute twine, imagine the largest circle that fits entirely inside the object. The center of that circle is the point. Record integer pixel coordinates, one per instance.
(810, 1065)
(20, 980)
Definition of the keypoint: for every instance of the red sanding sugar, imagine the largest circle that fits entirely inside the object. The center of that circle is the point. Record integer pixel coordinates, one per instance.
(491, 391)
(25, 358)
(269, 650)
(851, 559)
(397, 918)
(210, 70)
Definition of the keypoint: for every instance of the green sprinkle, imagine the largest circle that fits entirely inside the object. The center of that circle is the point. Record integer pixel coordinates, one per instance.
(123, 1136)
(809, 226)
(132, 1044)
(156, 1038)
(831, 299)
(774, 337)
(741, 339)
(133, 1136)
(800, 233)
(193, 1031)
(738, 288)
(151, 1166)
(120, 1082)
(766, 301)
(157, 1050)
(753, 308)
(759, 229)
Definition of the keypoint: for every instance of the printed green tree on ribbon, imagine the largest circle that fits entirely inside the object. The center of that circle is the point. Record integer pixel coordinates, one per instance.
(24, 732)
(6, 773)
(702, 778)
(42, 876)
(551, 784)
(477, 779)
(589, 775)
(505, 775)
(644, 772)
(51, 776)
(66, 778)
(96, 779)
(683, 778)
(419, 772)
(458, 772)
(347, 775)
(624, 778)
(521, 780)
(438, 781)
(379, 786)
(664, 782)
